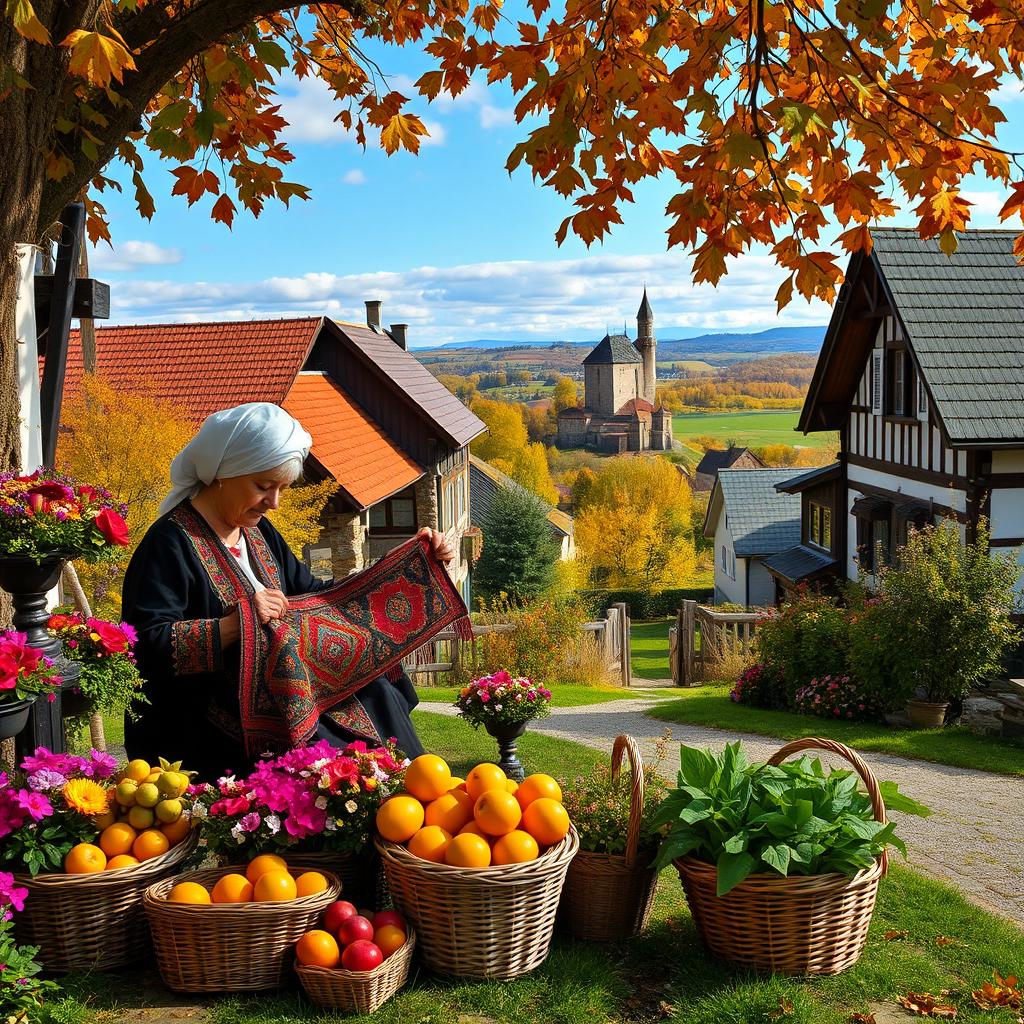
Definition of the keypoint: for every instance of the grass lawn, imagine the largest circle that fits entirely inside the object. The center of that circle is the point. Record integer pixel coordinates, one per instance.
(565, 696)
(664, 975)
(649, 648)
(752, 428)
(710, 706)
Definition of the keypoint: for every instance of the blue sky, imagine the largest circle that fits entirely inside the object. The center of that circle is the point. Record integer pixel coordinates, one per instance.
(452, 244)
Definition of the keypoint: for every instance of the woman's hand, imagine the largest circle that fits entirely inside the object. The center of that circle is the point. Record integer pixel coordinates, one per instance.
(270, 605)
(439, 543)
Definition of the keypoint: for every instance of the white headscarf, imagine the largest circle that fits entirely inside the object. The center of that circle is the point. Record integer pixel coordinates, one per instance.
(250, 438)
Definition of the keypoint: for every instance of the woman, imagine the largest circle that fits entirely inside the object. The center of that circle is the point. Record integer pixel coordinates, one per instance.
(211, 548)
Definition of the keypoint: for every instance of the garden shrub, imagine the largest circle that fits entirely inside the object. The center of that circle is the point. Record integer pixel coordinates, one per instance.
(836, 697)
(761, 686)
(644, 604)
(805, 639)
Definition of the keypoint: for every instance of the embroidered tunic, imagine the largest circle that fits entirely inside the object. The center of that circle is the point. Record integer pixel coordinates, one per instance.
(175, 593)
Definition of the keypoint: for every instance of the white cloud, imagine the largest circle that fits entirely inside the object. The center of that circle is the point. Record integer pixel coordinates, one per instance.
(985, 206)
(353, 177)
(576, 299)
(1010, 90)
(436, 133)
(131, 255)
(310, 109)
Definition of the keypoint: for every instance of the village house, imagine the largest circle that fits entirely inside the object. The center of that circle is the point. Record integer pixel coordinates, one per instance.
(716, 459)
(394, 439)
(620, 411)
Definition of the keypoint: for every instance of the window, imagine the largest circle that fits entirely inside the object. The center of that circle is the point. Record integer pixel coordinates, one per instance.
(901, 386)
(874, 534)
(725, 560)
(819, 530)
(876, 382)
(396, 514)
(729, 562)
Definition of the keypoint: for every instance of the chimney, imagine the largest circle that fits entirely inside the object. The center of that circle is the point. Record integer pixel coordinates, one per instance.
(398, 334)
(373, 314)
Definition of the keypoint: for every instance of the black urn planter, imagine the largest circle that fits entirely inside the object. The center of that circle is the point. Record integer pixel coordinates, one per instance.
(507, 735)
(13, 717)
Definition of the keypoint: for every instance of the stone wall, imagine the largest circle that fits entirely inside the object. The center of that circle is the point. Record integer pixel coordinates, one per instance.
(996, 709)
(346, 536)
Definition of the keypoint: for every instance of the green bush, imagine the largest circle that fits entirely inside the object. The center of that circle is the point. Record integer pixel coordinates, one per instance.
(642, 604)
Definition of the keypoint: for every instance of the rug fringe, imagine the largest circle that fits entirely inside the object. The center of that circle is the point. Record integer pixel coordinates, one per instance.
(463, 628)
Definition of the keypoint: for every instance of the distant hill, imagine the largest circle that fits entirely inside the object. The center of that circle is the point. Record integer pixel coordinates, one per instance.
(677, 343)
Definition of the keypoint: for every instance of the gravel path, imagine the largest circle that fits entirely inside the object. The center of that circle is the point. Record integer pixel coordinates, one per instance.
(974, 837)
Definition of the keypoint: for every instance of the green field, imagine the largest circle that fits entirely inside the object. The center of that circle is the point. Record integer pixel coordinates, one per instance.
(751, 428)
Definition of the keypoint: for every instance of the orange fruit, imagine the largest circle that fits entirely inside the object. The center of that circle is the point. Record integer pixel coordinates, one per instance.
(468, 851)
(176, 830)
(451, 811)
(309, 883)
(457, 783)
(533, 787)
(122, 860)
(515, 848)
(188, 892)
(317, 949)
(274, 886)
(85, 859)
(233, 888)
(389, 938)
(511, 786)
(399, 818)
(497, 812)
(105, 820)
(150, 844)
(430, 843)
(482, 778)
(137, 770)
(546, 820)
(117, 839)
(263, 863)
(428, 777)
(473, 829)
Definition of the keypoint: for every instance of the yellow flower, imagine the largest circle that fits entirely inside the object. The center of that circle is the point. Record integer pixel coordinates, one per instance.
(86, 797)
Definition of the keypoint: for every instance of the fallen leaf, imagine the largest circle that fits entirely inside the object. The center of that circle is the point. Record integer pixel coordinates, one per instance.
(924, 1004)
(784, 1009)
(862, 1018)
(943, 940)
(894, 934)
(1003, 992)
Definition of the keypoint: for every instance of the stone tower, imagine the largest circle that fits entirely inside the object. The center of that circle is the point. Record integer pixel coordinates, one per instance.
(646, 345)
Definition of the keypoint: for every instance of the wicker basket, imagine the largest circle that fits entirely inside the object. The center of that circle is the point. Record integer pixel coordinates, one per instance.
(93, 922)
(358, 991)
(493, 922)
(810, 924)
(610, 896)
(229, 947)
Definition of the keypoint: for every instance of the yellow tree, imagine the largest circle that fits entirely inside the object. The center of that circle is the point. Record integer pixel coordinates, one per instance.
(565, 395)
(506, 431)
(529, 467)
(298, 516)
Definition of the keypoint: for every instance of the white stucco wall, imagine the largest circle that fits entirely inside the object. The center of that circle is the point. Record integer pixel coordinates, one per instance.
(762, 585)
(727, 588)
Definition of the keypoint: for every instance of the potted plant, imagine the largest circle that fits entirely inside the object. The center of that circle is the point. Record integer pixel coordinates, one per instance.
(503, 705)
(108, 680)
(942, 617)
(25, 673)
(22, 991)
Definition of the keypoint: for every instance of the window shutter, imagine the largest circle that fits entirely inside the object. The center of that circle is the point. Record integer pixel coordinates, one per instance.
(922, 399)
(876, 382)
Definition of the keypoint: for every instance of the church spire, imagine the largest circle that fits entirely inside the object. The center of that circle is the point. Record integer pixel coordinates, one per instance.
(645, 312)
(646, 345)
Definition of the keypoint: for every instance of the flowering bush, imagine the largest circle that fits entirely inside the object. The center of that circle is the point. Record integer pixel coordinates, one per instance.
(760, 685)
(109, 679)
(21, 990)
(49, 805)
(500, 699)
(46, 513)
(313, 798)
(836, 697)
(24, 670)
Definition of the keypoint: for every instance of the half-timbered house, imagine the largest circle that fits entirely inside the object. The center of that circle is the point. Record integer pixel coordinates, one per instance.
(922, 373)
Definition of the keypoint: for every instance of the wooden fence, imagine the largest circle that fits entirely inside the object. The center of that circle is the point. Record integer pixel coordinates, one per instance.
(446, 650)
(705, 639)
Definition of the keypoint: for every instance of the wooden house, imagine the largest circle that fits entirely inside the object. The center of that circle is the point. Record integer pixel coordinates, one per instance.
(716, 459)
(394, 439)
(922, 374)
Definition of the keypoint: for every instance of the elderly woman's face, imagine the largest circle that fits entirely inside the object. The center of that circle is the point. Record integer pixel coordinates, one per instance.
(244, 500)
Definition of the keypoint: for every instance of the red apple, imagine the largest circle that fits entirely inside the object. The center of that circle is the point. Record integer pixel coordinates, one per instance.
(336, 913)
(361, 955)
(392, 917)
(352, 929)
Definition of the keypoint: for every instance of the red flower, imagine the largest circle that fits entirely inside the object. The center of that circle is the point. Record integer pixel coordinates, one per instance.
(113, 527)
(51, 491)
(36, 502)
(57, 622)
(86, 493)
(16, 656)
(229, 807)
(111, 640)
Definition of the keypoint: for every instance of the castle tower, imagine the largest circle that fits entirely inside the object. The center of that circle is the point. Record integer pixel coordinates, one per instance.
(646, 345)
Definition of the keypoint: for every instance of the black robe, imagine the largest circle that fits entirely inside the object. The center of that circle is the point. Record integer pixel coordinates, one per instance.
(191, 681)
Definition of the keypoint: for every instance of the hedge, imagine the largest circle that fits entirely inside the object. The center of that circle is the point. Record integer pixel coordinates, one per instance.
(644, 605)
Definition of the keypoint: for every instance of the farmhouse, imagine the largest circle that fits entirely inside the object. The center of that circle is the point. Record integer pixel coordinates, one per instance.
(922, 374)
(393, 438)
(716, 459)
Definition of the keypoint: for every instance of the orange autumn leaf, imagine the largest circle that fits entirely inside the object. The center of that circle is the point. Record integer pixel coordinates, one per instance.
(894, 934)
(862, 1018)
(23, 14)
(1001, 993)
(98, 58)
(403, 130)
(924, 1004)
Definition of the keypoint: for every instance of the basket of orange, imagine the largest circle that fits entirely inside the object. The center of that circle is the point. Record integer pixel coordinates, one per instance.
(232, 929)
(352, 962)
(476, 866)
(84, 908)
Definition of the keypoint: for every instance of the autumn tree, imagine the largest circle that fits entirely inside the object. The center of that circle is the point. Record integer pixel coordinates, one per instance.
(565, 395)
(791, 125)
(506, 432)
(297, 518)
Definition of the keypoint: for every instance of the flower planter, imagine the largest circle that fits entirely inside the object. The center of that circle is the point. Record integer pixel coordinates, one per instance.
(925, 714)
(13, 717)
(507, 735)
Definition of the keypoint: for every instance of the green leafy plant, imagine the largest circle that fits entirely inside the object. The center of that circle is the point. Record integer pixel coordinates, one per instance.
(793, 819)
(22, 991)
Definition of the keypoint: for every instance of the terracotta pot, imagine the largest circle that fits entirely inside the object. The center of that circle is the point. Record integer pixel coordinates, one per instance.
(13, 717)
(926, 715)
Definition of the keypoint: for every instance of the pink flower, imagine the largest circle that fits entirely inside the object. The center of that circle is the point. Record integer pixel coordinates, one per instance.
(109, 638)
(250, 822)
(230, 807)
(36, 805)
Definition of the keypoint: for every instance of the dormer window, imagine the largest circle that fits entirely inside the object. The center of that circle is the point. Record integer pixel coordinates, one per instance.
(901, 386)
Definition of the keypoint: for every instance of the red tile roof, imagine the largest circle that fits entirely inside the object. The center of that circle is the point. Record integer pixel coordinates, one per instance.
(347, 443)
(203, 367)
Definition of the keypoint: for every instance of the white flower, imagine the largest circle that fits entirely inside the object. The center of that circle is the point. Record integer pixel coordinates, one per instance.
(199, 811)
(323, 762)
(351, 806)
(320, 803)
(238, 834)
(497, 707)
(273, 822)
(331, 825)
